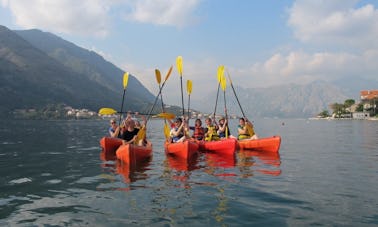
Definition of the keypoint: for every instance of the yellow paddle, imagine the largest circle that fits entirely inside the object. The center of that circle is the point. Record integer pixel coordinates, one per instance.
(141, 135)
(157, 96)
(189, 86)
(179, 69)
(125, 81)
(223, 86)
(107, 111)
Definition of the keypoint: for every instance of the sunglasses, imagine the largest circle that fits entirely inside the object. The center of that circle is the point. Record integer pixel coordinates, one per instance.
(113, 123)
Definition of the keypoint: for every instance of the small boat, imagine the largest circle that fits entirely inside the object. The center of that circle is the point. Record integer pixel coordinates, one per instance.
(223, 146)
(184, 149)
(131, 154)
(110, 144)
(269, 144)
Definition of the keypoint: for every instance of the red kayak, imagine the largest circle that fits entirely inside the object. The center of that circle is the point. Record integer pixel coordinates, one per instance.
(270, 144)
(131, 154)
(110, 144)
(184, 149)
(223, 146)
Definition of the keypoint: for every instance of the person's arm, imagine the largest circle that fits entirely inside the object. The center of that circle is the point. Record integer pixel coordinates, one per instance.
(177, 132)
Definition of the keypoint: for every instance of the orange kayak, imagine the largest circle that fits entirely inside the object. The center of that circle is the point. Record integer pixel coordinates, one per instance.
(182, 149)
(223, 146)
(130, 153)
(270, 144)
(109, 144)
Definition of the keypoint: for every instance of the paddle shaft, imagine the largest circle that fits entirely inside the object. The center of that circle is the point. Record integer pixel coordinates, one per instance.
(123, 99)
(237, 99)
(216, 101)
(156, 98)
(182, 97)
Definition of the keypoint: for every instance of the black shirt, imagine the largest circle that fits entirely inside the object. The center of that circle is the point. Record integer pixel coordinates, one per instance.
(127, 135)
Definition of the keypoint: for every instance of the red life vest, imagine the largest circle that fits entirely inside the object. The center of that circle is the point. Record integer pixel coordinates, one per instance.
(198, 133)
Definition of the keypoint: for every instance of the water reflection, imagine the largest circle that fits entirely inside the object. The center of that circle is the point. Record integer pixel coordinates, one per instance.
(262, 162)
(179, 169)
(132, 172)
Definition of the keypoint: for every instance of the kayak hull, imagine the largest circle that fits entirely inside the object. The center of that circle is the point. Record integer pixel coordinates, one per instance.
(184, 149)
(268, 144)
(109, 144)
(130, 153)
(223, 146)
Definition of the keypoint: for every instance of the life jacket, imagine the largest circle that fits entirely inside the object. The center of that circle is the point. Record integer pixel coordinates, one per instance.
(245, 135)
(211, 134)
(198, 133)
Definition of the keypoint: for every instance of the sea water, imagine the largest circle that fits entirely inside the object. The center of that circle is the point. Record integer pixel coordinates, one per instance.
(53, 173)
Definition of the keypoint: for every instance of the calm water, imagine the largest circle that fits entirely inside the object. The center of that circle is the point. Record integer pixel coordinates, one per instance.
(53, 174)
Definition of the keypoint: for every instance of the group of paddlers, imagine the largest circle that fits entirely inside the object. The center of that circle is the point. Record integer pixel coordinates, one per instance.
(180, 130)
(128, 130)
(212, 131)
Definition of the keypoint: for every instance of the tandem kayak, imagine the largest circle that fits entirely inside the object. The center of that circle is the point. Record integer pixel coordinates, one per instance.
(223, 146)
(109, 144)
(269, 144)
(130, 153)
(184, 149)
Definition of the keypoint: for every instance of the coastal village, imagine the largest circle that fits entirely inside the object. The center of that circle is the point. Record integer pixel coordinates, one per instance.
(366, 109)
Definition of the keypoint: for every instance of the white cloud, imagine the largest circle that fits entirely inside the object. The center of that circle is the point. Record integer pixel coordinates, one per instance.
(301, 67)
(87, 17)
(163, 12)
(336, 22)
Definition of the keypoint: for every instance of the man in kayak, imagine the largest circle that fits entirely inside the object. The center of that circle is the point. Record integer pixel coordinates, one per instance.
(178, 131)
(211, 131)
(245, 130)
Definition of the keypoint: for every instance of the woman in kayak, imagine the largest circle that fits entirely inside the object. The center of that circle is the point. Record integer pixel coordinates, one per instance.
(211, 131)
(245, 130)
(114, 129)
(130, 133)
(178, 131)
(222, 127)
(199, 131)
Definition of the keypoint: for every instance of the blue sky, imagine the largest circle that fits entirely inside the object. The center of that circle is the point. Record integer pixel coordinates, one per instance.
(261, 43)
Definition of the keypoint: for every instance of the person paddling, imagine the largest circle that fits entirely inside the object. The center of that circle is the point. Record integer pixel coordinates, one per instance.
(130, 134)
(114, 129)
(178, 131)
(199, 131)
(211, 131)
(244, 132)
(222, 127)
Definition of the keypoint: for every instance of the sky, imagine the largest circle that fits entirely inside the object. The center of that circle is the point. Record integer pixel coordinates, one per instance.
(260, 43)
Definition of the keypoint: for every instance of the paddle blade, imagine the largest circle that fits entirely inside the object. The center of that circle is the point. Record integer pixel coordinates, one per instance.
(158, 76)
(167, 131)
(125, 79)
(223, 83)
(168, 73)
(107, 111)
(168, 116)
(179, 64)
(189, 86)
(250, 130)
(141, 135)
(220, 73)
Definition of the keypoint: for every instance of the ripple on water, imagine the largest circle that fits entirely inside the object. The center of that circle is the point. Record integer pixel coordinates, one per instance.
(20, 181)
(54, 181)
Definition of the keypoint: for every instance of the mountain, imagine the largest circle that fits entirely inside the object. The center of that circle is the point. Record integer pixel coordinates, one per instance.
(279, 101)
(39, 68)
